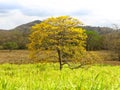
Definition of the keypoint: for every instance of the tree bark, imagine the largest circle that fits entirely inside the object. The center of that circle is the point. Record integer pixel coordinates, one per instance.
(59, 58)
(119, 56)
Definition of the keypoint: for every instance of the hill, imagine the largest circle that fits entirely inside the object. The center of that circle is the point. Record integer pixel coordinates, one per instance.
(25, 28)
(20, 33)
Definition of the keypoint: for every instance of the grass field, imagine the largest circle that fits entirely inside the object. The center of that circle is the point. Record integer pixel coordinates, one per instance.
(21, 75)
(49, 77)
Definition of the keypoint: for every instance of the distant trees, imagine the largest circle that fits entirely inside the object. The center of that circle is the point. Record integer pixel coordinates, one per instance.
(94, 40)
(18, 37)
(10, 45)
(112, 42)
(59, 34)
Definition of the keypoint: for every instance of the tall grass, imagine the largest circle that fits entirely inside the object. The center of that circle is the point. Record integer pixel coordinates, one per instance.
(49, 77)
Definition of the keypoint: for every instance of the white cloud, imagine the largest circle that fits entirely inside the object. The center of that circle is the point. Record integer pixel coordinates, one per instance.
(91, 12)
(15, 18)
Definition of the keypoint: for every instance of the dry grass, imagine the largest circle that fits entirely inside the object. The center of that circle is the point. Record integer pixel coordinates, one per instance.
(106, 55)
(15, 56)
(21, 57)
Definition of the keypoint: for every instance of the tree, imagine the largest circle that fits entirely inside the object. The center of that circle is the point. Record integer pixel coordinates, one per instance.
(112, 42)
(10, 45)
(61, 35)
(94, 40)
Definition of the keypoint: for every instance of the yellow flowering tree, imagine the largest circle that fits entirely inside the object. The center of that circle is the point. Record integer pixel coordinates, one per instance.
(61, 35)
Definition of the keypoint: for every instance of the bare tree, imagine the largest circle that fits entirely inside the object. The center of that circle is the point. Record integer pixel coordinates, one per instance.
(112, 40)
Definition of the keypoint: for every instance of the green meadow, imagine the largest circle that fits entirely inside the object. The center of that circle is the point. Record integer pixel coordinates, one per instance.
(48, 77)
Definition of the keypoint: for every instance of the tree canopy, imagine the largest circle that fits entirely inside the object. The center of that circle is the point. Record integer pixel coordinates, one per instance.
(94, 40)
(61, 35)
(10, 45)
(112, 42)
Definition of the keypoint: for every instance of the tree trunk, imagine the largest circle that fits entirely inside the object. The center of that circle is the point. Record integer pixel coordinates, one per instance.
(119, 56)
(59, 58)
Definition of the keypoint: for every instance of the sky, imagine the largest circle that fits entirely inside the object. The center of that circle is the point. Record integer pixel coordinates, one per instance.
(91, 12)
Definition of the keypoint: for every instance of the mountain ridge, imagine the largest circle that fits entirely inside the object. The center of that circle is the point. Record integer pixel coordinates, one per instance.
(27, 26)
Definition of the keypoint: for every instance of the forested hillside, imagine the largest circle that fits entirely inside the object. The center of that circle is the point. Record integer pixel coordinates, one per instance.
(19, 35)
